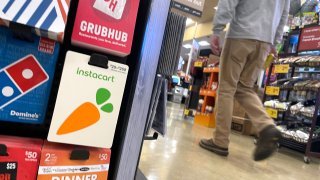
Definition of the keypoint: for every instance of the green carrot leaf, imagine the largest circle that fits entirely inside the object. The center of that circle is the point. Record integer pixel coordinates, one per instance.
(102, 95)
(108, 108)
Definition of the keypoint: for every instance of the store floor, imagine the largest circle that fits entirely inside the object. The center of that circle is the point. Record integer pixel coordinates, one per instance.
(179, 157)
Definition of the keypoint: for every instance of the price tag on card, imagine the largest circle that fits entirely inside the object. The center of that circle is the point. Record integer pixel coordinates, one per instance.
(272, 112)
(186, 112)
(88, 102)
(269, 60)
(272, 91)
(8, 170)
(281, 68)
(198, 64)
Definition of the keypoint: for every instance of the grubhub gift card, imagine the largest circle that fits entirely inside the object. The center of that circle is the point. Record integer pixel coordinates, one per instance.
(106, 26)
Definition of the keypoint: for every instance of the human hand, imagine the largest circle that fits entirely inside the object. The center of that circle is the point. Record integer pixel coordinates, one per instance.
(273, 50)
(215, 44)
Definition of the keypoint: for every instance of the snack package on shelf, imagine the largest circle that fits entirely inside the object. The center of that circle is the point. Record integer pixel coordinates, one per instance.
(199, 108)
(106, 26)
(283, 95)
(311, 95)
(310, 18)
(299, 86)
(293, 43)
(303, 61)
(288, 60)
(277, 105)
(296, 22)
(19, 157)
(64, 162)
(46, 18)
(295, 109)
(315, 61)
(26, 73)
(307, 111)
(209, 110)
(299, 134)
(214, 86)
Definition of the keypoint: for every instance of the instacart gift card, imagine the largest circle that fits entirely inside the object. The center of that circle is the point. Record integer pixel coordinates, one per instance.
(88, 102)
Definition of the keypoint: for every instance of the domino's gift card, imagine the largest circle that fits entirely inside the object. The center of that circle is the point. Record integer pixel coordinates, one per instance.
(26, 73)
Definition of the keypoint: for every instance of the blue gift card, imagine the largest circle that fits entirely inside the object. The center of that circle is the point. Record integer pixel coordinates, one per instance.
(26, 73)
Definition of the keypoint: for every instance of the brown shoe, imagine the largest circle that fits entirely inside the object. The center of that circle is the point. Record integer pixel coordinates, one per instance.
(267, 143)
(208, 144)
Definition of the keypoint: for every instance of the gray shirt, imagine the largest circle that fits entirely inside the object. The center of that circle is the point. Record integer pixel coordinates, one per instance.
(261, 20)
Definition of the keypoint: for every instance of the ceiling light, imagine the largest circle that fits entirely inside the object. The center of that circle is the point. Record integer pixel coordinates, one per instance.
(204, 43)
(216, 8)
(187, 46)
(189, 22)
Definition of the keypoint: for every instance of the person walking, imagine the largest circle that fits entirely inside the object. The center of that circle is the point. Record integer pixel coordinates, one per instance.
(256, 27)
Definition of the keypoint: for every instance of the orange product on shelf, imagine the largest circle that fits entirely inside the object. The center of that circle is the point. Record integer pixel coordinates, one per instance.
(211, 70)
(206, 116)
(208, 92)
(207, 120)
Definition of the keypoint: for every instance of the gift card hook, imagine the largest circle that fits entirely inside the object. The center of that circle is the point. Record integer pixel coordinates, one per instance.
(99, 61)
(21, 31)
(79, 154)
(3, 150)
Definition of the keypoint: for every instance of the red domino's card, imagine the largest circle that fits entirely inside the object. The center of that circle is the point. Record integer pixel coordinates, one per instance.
(106, 26)
(27, 73)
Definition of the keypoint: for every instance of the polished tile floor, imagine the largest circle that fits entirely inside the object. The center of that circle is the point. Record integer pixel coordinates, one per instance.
(178, 156)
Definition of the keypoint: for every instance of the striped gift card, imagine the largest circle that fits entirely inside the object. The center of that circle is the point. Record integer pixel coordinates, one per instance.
(48, 17)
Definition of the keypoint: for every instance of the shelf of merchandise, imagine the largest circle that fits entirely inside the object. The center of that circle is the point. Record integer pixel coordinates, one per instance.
(287, 140)
(209, 97)
(205, 92)
(211, 70)
(193, 93)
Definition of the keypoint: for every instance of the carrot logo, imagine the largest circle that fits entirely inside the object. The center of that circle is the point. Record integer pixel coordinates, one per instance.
(87, 114)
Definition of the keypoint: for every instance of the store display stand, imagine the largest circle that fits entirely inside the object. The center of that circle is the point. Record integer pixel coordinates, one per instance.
(287, 141)
(142, 62)
(309, 152)
(209, 96)
(140, 175)
(191, 103)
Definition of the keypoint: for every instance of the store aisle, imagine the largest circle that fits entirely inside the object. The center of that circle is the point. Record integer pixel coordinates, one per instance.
(179, 157)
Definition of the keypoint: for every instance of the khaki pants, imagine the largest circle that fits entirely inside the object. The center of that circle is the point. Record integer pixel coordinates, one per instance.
(240, 64)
